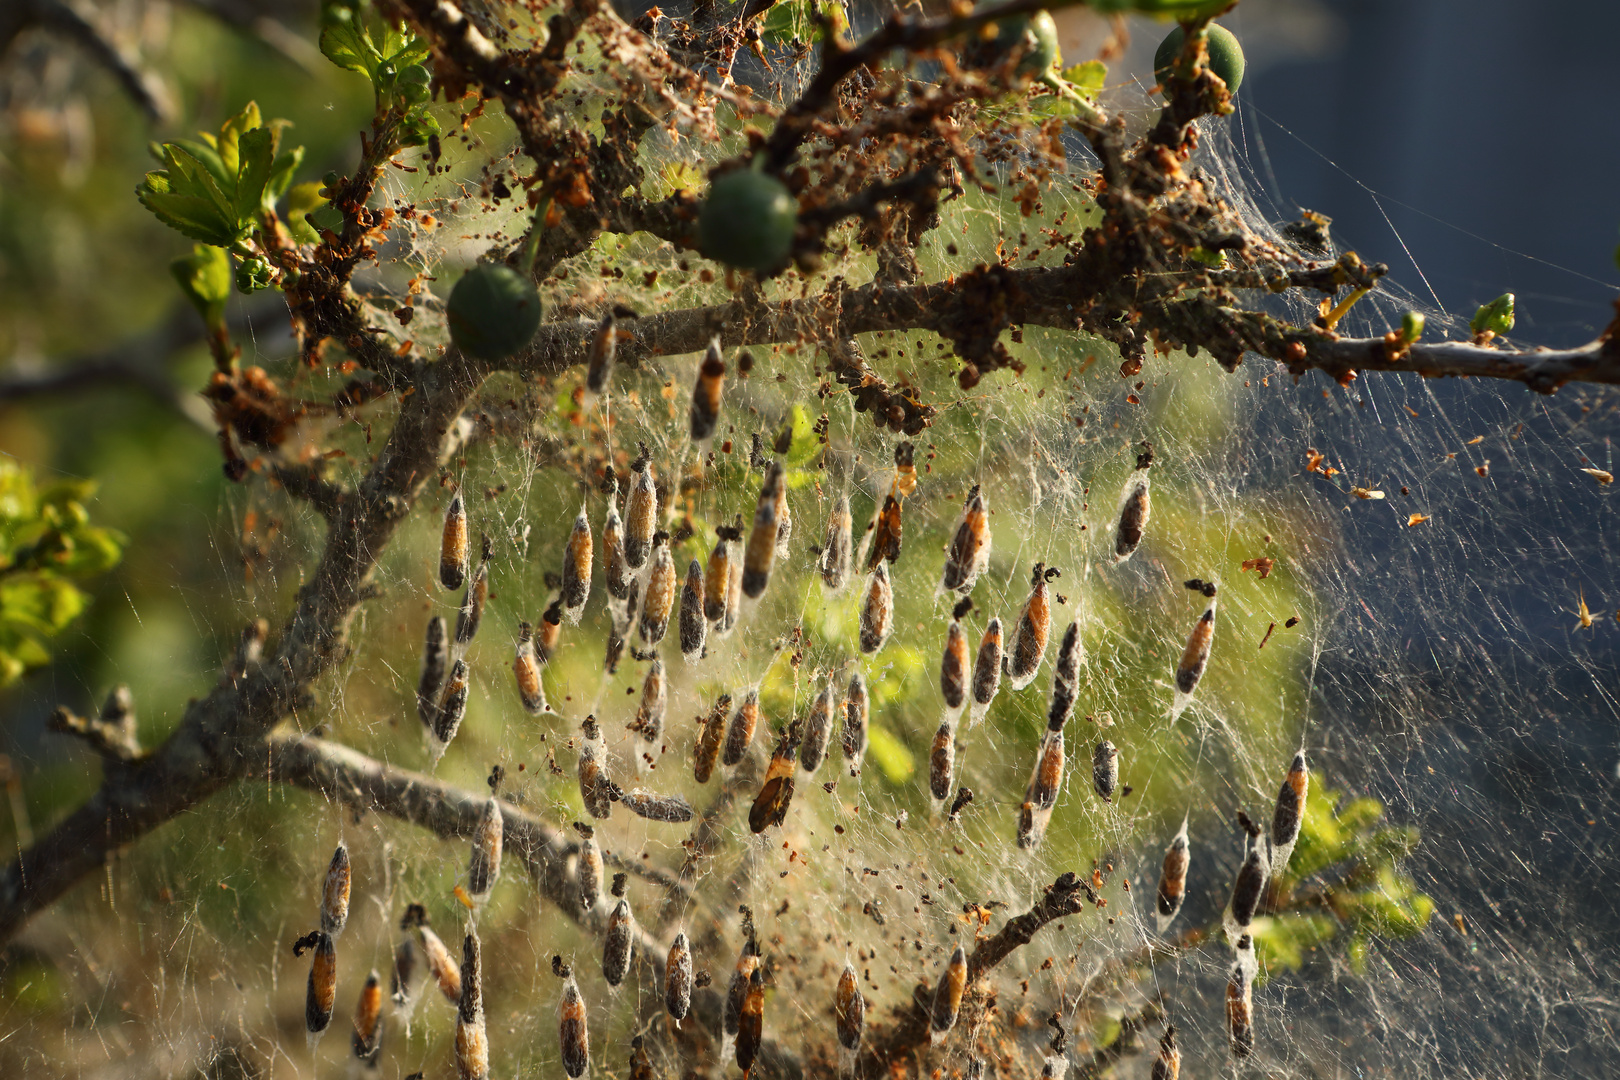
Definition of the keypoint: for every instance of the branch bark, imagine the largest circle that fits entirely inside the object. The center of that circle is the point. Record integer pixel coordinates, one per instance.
(369, 786)
(1068, 895)
(220, 735)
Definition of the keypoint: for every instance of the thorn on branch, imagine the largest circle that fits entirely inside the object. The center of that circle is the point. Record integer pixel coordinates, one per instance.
(112, 734)
(249, 652)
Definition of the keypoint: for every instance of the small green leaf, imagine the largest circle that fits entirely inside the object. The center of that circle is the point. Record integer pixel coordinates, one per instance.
(205, 277)
(417, 128)
(258, 152)
(302, 199)
(1088, 77)
(348, 46)
(192, 217)
(216, 189)
(229, 142)
(790, 19)
(1412, 326)
(1495, 317)
(281, 175)
(805, 445)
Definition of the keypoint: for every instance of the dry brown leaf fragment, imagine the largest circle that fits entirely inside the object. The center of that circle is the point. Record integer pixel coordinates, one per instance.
(1262, 565)
(1366, 493)
(1600, 475)
(1416, 519)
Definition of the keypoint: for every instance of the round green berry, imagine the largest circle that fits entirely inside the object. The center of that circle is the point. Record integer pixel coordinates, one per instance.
(493, 311)
(748, 221)
(1225, 55)
(1041, 47)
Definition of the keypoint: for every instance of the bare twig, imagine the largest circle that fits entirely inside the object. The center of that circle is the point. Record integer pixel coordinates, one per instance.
(67, 21)
(1068, 895)
(1542, 370)
(839, 61)
(140, 361)
(112, 734)
(369, 786)
(307, 482)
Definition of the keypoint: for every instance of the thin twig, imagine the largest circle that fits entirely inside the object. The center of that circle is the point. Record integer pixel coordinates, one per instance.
(1068, 895)
(370, 786)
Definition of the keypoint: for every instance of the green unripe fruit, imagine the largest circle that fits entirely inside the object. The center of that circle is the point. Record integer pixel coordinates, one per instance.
(252, 274)
(493, 311)
(1042, 47)
(1225, 55)
(748, 221)
(415, 84)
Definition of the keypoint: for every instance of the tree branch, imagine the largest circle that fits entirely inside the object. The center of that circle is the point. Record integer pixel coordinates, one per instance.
(1542, 370)
(138, 361)
(1068, 895)
(839, 61)
(369, 786)
(64, 19)
(220, 734)
(112, 734)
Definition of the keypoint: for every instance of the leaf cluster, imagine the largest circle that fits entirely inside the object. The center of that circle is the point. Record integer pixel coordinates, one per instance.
(392, 57)
(217, 188)
(47, 545)
(1365, 894)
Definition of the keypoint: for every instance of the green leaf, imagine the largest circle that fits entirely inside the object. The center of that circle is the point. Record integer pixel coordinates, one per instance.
(348, 46)
(229, 142)
(258, 154)
(1088, 77)
(281, 175)
(790, 19)
(205, 277)
(252, 275)
(216, 189)
(46, 542)
(417, 128)
(1283, 941)
(1412, 326)
(41, 603)
(805, 445)
(302, 200)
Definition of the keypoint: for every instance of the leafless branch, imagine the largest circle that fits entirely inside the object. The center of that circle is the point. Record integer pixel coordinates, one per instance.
(1542, 370)
(900, 32)
(112, 734)
(67, 21)
(369, 786)
(139, 362)
(308, 483)
(1068, 895)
